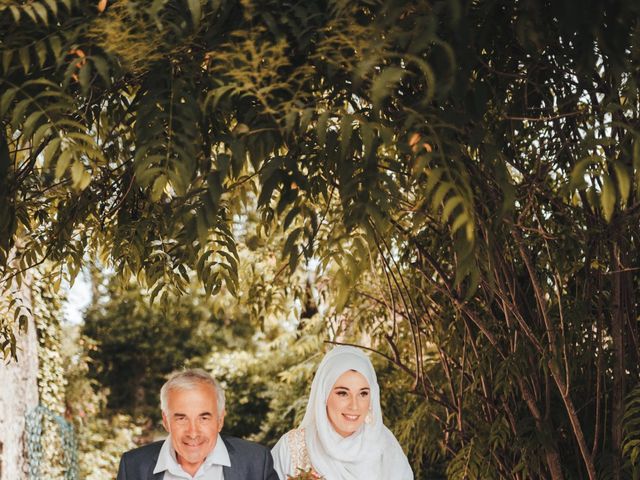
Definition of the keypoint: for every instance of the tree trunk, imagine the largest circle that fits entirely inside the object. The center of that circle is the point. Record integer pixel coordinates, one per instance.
(18, 390)
(552, 455)
(619, 309)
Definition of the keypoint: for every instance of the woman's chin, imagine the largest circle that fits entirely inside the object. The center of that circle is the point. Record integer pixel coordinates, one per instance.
(346, 429)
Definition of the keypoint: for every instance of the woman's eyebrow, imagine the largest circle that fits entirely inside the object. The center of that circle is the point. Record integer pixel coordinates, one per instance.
(347, 388)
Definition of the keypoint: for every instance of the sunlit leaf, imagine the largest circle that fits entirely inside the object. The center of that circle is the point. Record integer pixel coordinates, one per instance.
(608, 197)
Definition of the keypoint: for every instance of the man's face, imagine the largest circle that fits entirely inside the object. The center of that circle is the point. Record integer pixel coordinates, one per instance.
(193, 422)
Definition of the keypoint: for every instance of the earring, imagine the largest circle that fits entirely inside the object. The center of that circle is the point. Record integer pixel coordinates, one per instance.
(368, 419)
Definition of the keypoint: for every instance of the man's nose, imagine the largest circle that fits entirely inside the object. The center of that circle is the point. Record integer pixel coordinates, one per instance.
(192, 428)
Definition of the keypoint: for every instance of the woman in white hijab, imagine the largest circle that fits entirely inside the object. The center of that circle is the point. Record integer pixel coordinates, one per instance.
(342, 436)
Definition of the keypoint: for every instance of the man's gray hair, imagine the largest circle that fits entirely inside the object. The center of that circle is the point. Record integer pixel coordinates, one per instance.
(188, 379)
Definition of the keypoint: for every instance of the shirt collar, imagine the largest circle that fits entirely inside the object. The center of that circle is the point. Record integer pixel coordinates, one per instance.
(167, 458)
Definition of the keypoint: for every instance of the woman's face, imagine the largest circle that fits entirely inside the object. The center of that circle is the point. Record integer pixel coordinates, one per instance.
(348, 402)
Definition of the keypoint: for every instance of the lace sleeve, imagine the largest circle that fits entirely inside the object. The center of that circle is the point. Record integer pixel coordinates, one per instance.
(298, 451)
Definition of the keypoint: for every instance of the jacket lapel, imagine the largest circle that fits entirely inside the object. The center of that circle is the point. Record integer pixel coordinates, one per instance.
(152, 465)
(157, 476)
(228, 472)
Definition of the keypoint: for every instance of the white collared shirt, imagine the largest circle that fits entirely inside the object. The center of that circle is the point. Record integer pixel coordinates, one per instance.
(211, 468)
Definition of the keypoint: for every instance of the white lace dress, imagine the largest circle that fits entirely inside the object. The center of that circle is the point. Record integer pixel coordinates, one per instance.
(290, 456)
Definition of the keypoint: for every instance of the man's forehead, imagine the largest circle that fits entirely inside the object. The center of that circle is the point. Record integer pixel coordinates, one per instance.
(201, 397)
(180, 413)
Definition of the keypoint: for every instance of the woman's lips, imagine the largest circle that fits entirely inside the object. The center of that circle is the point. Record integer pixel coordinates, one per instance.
(351, 418)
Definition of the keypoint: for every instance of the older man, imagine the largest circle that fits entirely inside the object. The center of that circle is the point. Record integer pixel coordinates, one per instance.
(193, 411)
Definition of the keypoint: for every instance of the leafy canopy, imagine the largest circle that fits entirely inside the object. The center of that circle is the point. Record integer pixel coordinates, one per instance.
(482, 157)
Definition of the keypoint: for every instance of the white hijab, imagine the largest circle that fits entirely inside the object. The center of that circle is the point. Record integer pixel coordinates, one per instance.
(372, 452)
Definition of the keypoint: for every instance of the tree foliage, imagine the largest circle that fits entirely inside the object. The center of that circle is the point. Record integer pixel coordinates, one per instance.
(469, 169)
(133, 346)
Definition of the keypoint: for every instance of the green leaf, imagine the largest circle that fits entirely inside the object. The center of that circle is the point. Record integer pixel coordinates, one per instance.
(25, 59)
(102, 68)
(419, 164)
(67, 4)
(15, 11)
(158, 187)
(7, 56)
(268, 186)
(63, 162)
(41, 11)
(84, 77)
(578, 172)
(23, 323)
(196, 11)
(608, 197)
(322, 128)
(6, 99)
(291, 215)
(368, 139)
(84, 181)
(156, 290)
(346, 129)
(305, 119)
(53, 6)
(624, 182)
(383, 85)
(50, 149)
(290, 244)
(56, 46)
(460, 221)
(28, 9)
(290, 121)
(5, 160)
(343, 289)
(216, 95)
(429, 78)
(144, 176)
(433, 177)
(449, 206)
(77, 169)
(19, 112)
(30, 123)
(214, 187)
(636, 164)
(41, 52)
(439, 195)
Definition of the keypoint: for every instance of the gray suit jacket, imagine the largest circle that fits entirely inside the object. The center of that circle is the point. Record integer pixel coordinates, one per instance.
(249, 461)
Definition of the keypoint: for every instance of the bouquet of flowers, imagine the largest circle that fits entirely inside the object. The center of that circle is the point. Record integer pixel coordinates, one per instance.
(305, 475)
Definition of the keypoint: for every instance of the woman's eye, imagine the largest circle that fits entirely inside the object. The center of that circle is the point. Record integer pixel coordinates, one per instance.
(364, 394)
(341, 393)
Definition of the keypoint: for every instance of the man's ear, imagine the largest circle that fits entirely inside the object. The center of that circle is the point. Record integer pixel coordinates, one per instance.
(221, 420)
(165, 422)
